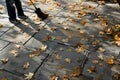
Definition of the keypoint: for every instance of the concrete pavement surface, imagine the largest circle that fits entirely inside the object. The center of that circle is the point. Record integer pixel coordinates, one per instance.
(71, 44)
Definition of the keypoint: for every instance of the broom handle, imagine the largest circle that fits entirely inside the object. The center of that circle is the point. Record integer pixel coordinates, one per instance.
(33, 4)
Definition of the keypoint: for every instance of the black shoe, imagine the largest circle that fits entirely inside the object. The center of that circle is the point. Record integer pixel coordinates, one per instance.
(23, 17)
(14, 21)
(44, 16)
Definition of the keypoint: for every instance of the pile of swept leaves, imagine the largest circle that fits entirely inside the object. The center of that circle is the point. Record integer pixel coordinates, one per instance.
(115, 33)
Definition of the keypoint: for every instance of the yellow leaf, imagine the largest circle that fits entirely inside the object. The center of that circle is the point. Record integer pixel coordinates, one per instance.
(91, 69)
(54, 77)
(117, 37)
(117, 43)
(76, 72)
(34, 31)
(58, 57)
(95, 42)
(60, 67)
(4, 60)
(68, 60)
(51, 8)
(28, 76)
(14, 52)
(35, 53)
(80, 49)
(95, 61)
(25, 35)
(101, 57)
(101, 49)
(44, 47)
(26, 65)
(110, 61)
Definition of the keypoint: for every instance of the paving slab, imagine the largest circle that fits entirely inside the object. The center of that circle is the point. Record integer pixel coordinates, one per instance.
(5, 76)
(3, 44)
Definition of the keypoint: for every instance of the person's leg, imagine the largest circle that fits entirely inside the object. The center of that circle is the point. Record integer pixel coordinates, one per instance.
(11, 9)
(19, 9)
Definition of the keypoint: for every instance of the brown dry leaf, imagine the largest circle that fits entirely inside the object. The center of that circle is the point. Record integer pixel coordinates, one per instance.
(26, 65)
(30, 3)
(92, 69)
(65, 77)
(82, 13)
(53, 28)
(66, 28)
(43, 47)
(68, 60)
(71, 20)
(76, 72)
(25, 35)
(101, 57)
(117, 37)
(95, 61)
(70, 49)
(101, 32)
(53, 77)
(1, 26)
(35, 53)
(101, 49)
(28, 76)
(34, 31)
(95, 42)
(116, 76)
(80, 49)
(60, 67)
(83, 22)
(104, 22)
(14, 52)
(58, 57)
(101, 64)
(4, 60)
(117, 43)
(4, 78)
(110, 61)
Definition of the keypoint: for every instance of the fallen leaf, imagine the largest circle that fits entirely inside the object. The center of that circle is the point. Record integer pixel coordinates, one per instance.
(51, 8)
(43, 47)
(25, 35)
(54, 77)
(34, 31)
(117, 43)
(83, 22)
(101, 49)
(95, 61)
(14, 52)
(60, 67)
(65, 77)
(68, 60)
(117, 37)
(76, 72)
(58, 57)
(53, 28)
(4, 60)
(101, 57)
(91, 69)
(26, 65)
(80, 49)
(116, 76)
(28, 76)
(18, 46)
(35, 53)
(95, 42)
(110, 61)
(70, 49)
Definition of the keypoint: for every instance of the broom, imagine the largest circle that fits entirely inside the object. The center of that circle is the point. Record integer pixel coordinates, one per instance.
(39, 13)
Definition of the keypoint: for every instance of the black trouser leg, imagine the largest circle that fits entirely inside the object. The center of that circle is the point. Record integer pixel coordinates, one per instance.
(11, 9)
(19, 7)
